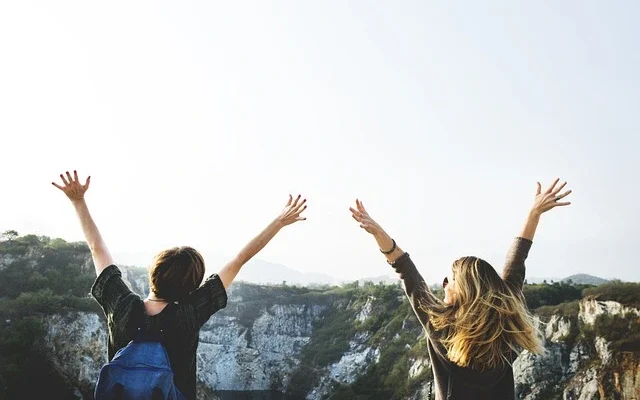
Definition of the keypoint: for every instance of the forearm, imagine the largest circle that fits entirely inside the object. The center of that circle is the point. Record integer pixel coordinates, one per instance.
(89, 228)
(229, 272)
(385, 242)
(514, 268)
(531, 224)
(99, 251)
(417, 291)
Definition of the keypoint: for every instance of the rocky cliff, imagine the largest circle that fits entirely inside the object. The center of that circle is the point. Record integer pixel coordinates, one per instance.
(270, 339)
(275, 342)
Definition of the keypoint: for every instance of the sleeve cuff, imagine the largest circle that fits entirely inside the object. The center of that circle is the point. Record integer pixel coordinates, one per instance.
(400, 261)
(106, 274)
(523, 245)
(218, 290)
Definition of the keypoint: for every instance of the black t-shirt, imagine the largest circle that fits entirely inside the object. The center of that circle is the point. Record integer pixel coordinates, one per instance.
(180, 323)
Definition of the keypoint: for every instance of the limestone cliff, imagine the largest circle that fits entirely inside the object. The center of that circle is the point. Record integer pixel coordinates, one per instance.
(261, 342)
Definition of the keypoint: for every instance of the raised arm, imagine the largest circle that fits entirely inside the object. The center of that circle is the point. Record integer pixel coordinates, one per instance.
(514, 269)
(75, 191)
(289, 215)
(418, 293)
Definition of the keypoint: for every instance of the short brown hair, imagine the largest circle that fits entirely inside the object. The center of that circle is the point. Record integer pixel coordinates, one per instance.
(176, 272)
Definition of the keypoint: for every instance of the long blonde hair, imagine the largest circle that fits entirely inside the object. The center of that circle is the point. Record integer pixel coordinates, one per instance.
(487, 321)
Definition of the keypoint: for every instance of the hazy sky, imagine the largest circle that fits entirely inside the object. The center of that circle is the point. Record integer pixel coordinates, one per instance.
(197, 119)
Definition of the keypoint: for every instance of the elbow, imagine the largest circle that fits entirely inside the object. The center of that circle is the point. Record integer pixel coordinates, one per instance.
(96, 248)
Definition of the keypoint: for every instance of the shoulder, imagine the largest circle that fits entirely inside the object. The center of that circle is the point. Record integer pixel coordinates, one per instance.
(100, 284)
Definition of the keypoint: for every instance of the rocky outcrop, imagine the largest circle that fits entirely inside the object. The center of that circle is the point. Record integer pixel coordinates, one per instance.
(582, 368)
(76, 344)
(261, 352)
(260, 357)
(591, 308)
(231, 356)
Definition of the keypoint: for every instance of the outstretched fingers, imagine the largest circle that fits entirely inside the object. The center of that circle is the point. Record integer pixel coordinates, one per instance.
(299, 211)
(559, 188)
(293, 209)
(295, 203)
(563, 195)
(553, 185)
(550, 198)
(355, 214)
(301, 206)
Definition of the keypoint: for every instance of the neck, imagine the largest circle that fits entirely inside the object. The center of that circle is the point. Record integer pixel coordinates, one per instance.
(152, 297)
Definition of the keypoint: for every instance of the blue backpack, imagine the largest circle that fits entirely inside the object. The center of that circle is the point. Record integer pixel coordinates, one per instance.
(140, 370)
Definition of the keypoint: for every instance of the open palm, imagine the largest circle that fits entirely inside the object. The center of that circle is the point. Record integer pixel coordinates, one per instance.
(72, 187)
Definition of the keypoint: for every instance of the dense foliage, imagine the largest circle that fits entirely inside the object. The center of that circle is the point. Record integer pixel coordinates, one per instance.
(38, 276)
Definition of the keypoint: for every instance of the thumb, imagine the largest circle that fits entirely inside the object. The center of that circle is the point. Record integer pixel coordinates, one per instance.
(539, 188)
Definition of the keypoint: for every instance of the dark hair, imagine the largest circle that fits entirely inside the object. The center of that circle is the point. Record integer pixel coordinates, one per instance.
(176, 272)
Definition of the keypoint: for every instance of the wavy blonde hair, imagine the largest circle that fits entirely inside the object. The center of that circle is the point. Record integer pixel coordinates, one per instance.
(487, 321)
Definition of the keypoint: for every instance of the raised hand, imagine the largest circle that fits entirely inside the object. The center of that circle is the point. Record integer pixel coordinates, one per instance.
(292, 211)
(545, 201)
(367, 223)
(72, 187)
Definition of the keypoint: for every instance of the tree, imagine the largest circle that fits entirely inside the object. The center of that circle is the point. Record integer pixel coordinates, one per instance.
(9, 235)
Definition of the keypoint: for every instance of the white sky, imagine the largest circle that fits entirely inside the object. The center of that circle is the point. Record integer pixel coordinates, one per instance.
(197, 119)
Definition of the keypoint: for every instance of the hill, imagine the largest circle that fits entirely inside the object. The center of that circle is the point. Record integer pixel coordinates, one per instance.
(585, 279)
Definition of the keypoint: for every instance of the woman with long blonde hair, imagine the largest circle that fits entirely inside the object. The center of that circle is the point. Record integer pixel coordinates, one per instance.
(477, 331)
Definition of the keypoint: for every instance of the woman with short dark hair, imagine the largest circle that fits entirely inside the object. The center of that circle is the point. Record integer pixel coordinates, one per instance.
(177, 305)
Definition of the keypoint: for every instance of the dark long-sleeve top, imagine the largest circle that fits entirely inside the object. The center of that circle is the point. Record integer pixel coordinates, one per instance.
(451, 381)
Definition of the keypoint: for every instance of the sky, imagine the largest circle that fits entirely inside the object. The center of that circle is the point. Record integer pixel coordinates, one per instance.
(196, 119)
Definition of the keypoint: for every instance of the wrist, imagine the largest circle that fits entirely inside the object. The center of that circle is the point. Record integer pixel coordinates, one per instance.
(277, 224)
(534, 214)
(390, 249)
(381, 236)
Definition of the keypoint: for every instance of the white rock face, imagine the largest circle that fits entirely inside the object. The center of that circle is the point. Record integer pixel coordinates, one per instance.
(139, 284)
(590, 309)
(578, 357)
(366, 309)
(417, 366)
(583, 386)
(262, 357)
(346, 371)
(351, 365)
(533, 374)
(77, 345)
(604, 351)
(557, 329)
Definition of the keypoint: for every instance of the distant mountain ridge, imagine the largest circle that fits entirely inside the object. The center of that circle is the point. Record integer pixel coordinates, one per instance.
(585, 279)
(578, 279)
(265, 272)
(268, 273)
